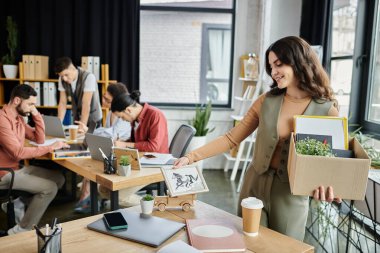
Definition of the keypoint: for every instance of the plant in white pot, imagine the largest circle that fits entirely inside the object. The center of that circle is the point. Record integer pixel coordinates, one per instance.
(147, 203)
(200, 123)
(9, 61)
(125, 166)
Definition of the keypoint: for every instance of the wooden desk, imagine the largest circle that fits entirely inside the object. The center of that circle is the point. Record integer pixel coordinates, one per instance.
(77, 238)
(93, 171)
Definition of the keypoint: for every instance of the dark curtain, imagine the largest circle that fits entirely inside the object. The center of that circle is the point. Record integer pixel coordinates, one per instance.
(316, 22)
(75, 28)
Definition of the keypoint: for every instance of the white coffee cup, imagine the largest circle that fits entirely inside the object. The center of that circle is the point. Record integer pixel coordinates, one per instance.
(73, 130)
(251, 208)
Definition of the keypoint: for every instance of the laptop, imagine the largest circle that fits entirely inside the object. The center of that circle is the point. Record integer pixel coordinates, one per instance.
(142, 228)
(94, 142)
(53, 126)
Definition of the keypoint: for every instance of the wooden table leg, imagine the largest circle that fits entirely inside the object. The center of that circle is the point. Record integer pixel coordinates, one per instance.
(94, 197)
(114, 196)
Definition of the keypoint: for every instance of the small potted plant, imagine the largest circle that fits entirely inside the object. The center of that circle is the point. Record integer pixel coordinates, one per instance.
(125, 166)
(310, 146)
(147, 203)
(9, 60)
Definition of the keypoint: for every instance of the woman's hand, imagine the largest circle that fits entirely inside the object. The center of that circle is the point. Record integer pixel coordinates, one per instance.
(82, 127)
(320, 194)
(183, 161)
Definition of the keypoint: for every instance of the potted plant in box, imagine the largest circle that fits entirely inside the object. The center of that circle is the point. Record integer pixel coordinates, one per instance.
(200, 123)
(9, 62)
(147, 203)
(125, 166)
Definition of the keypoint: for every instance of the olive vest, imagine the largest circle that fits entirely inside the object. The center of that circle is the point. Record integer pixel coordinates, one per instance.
(267, 136)
(76, 98)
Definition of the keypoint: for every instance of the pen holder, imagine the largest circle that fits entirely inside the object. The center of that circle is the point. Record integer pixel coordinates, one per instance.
(50, 243)
(110, 165)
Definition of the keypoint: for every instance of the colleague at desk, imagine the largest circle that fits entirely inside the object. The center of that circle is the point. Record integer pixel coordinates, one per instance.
(115, 127)
(149, 134)
(149, 126)
(300, 86)
(79, 87)
(42, 183)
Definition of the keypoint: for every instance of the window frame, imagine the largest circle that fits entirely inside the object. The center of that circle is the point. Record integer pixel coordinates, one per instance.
(231, 11)
(362, 72)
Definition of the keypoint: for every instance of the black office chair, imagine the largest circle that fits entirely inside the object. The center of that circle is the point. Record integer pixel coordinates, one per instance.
(9, 195)
(177, 148)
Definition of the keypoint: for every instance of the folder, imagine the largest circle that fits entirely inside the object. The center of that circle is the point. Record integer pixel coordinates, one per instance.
(41, 67)
(84, 64)
(37, 88)
(90, 64)
(45, 87)
(52, 94)
(96, 67)
(25, 61)
(32, 67)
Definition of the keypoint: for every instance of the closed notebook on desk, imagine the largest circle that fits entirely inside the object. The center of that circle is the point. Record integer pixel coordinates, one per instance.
(214, 235)
(142, 228)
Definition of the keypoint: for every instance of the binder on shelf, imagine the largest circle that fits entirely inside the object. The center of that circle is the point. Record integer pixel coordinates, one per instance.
(37, 88)
(25, 60)
(45, 92)
(52, 94)
(84, 64)
(90, 64)
(31, 61)
(41, 64)
(96, 67)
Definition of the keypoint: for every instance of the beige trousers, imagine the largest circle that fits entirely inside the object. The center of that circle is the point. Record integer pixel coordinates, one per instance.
(42, 183)
(282, 212)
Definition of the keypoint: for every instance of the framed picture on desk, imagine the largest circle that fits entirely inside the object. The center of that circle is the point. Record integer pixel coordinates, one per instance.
(185, 180)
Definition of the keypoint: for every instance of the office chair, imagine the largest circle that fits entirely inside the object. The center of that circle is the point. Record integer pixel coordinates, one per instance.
(9, 195)
(177, 148)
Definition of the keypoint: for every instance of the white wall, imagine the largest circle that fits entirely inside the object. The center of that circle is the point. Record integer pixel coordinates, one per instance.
(284, 21)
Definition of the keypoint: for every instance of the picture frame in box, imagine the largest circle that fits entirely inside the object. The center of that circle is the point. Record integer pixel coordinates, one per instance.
(347, 176)
(133, 154)
(185, 180)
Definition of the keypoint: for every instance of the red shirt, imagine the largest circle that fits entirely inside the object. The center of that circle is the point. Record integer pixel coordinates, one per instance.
(13, 132)
(151, 134)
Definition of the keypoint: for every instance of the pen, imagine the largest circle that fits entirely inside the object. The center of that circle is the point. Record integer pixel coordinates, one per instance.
(103, 155)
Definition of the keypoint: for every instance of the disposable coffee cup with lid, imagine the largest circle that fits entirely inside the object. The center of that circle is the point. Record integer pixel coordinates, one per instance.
(251, 208)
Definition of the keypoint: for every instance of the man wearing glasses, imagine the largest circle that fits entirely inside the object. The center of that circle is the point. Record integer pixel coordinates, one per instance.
(79, 87)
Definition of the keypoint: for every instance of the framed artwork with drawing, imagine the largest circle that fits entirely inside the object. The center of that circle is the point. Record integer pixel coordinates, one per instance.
(185, 180)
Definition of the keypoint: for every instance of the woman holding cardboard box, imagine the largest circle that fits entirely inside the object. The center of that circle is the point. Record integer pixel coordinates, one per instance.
(300, 86)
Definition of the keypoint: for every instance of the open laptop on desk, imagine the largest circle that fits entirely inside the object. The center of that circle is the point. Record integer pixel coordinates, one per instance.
(53, 126)
(145, 229)
(94, 142)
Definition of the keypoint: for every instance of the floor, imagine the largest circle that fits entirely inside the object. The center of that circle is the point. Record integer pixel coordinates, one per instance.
(327, 224)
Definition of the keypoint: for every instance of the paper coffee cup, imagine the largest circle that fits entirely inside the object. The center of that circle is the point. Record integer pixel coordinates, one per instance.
(73, 130)
(251, 208)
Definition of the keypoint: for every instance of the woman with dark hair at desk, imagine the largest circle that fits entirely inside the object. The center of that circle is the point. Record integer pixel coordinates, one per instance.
(149, 126)
(149, 134)
(300, 86)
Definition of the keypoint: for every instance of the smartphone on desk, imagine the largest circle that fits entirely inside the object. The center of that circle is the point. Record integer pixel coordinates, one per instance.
(115, 221)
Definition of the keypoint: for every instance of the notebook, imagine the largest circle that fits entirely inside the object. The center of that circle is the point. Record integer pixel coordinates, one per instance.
(150, 159)
(142, 228)
(94, 142)
(214, 235)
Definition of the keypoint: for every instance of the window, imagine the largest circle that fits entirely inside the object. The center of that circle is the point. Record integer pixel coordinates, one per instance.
(186, 52)
(373, 98)
(343, 42)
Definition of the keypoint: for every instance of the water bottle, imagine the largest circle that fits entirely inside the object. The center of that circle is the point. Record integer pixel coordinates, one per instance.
(251, 67)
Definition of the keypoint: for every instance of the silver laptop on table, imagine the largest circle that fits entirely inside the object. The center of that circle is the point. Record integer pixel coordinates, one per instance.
(142, 228)
(53, 126)
(94, 142)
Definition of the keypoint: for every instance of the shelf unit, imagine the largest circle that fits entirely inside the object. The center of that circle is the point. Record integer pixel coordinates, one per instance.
(104, 82)
(245, 147)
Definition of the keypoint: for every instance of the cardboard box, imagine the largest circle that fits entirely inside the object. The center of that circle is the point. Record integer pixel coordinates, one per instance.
(348, 176)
